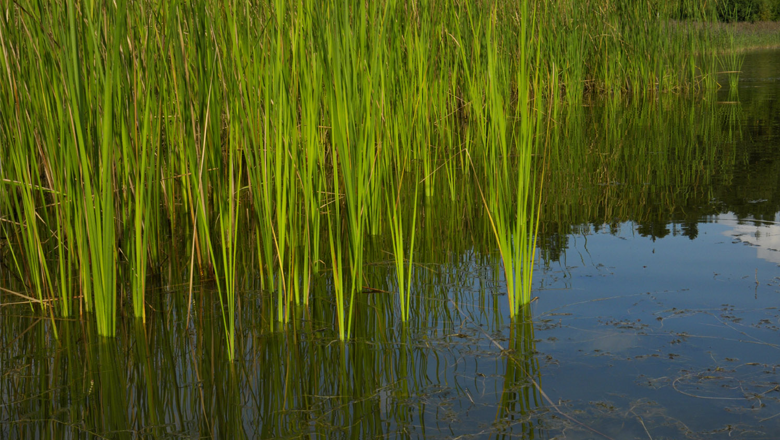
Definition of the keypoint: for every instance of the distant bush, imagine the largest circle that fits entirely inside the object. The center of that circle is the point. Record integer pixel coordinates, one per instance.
(748, 10)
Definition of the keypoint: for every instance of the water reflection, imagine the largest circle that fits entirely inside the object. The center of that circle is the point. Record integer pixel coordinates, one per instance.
(165, 381)
(763, 236)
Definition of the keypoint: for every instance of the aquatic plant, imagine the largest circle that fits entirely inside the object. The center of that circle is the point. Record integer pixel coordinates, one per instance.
(134, 125)
(511, 194)
(397, 234)
(94, 160)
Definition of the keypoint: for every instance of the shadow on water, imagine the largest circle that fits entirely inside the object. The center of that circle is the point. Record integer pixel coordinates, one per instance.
(656, 314)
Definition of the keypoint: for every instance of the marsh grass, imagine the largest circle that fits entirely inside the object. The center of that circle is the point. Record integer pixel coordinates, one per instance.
(648, 162)
(398, 232)
(144, 196)
(131, 125)
(731, 61)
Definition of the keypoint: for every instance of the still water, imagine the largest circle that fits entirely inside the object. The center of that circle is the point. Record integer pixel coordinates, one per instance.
(657, 310)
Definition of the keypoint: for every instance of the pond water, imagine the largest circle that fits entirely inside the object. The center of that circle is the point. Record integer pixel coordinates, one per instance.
(656, 311)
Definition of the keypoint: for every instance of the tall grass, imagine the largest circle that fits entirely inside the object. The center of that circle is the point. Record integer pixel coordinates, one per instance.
(132, 124)
(95, 159)
(144, 194)
(511, 197)
(398, 234)
(731, 60)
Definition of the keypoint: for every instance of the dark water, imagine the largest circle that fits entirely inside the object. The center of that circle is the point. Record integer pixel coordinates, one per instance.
(658, 311)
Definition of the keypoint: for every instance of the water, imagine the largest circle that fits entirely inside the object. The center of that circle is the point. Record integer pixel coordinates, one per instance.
(657, 311)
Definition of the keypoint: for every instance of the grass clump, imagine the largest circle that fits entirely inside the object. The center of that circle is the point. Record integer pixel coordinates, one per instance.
(130, 124)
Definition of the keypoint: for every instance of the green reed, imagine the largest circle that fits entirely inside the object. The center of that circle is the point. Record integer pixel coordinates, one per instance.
(132, 125)
(507, 157)
(143, 197)
(229, 212)
(94, 161)
(648, 162)
(398, 233)
(731, 61)
(639, 48)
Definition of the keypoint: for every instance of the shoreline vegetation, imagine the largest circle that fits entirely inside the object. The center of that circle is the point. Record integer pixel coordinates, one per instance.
(750, 36)
(298, 129)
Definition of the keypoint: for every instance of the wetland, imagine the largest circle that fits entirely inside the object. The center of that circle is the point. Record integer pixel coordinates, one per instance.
(337, 285)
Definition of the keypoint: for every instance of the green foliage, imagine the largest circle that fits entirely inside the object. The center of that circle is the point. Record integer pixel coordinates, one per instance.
(131, 124)
(748, 10)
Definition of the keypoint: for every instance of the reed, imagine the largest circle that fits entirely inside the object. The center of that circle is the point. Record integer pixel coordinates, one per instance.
(731, 60)
(94, 161)
(132, 125)
(398, 233)
(145, 187)
(229, 213)
(514, 229)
